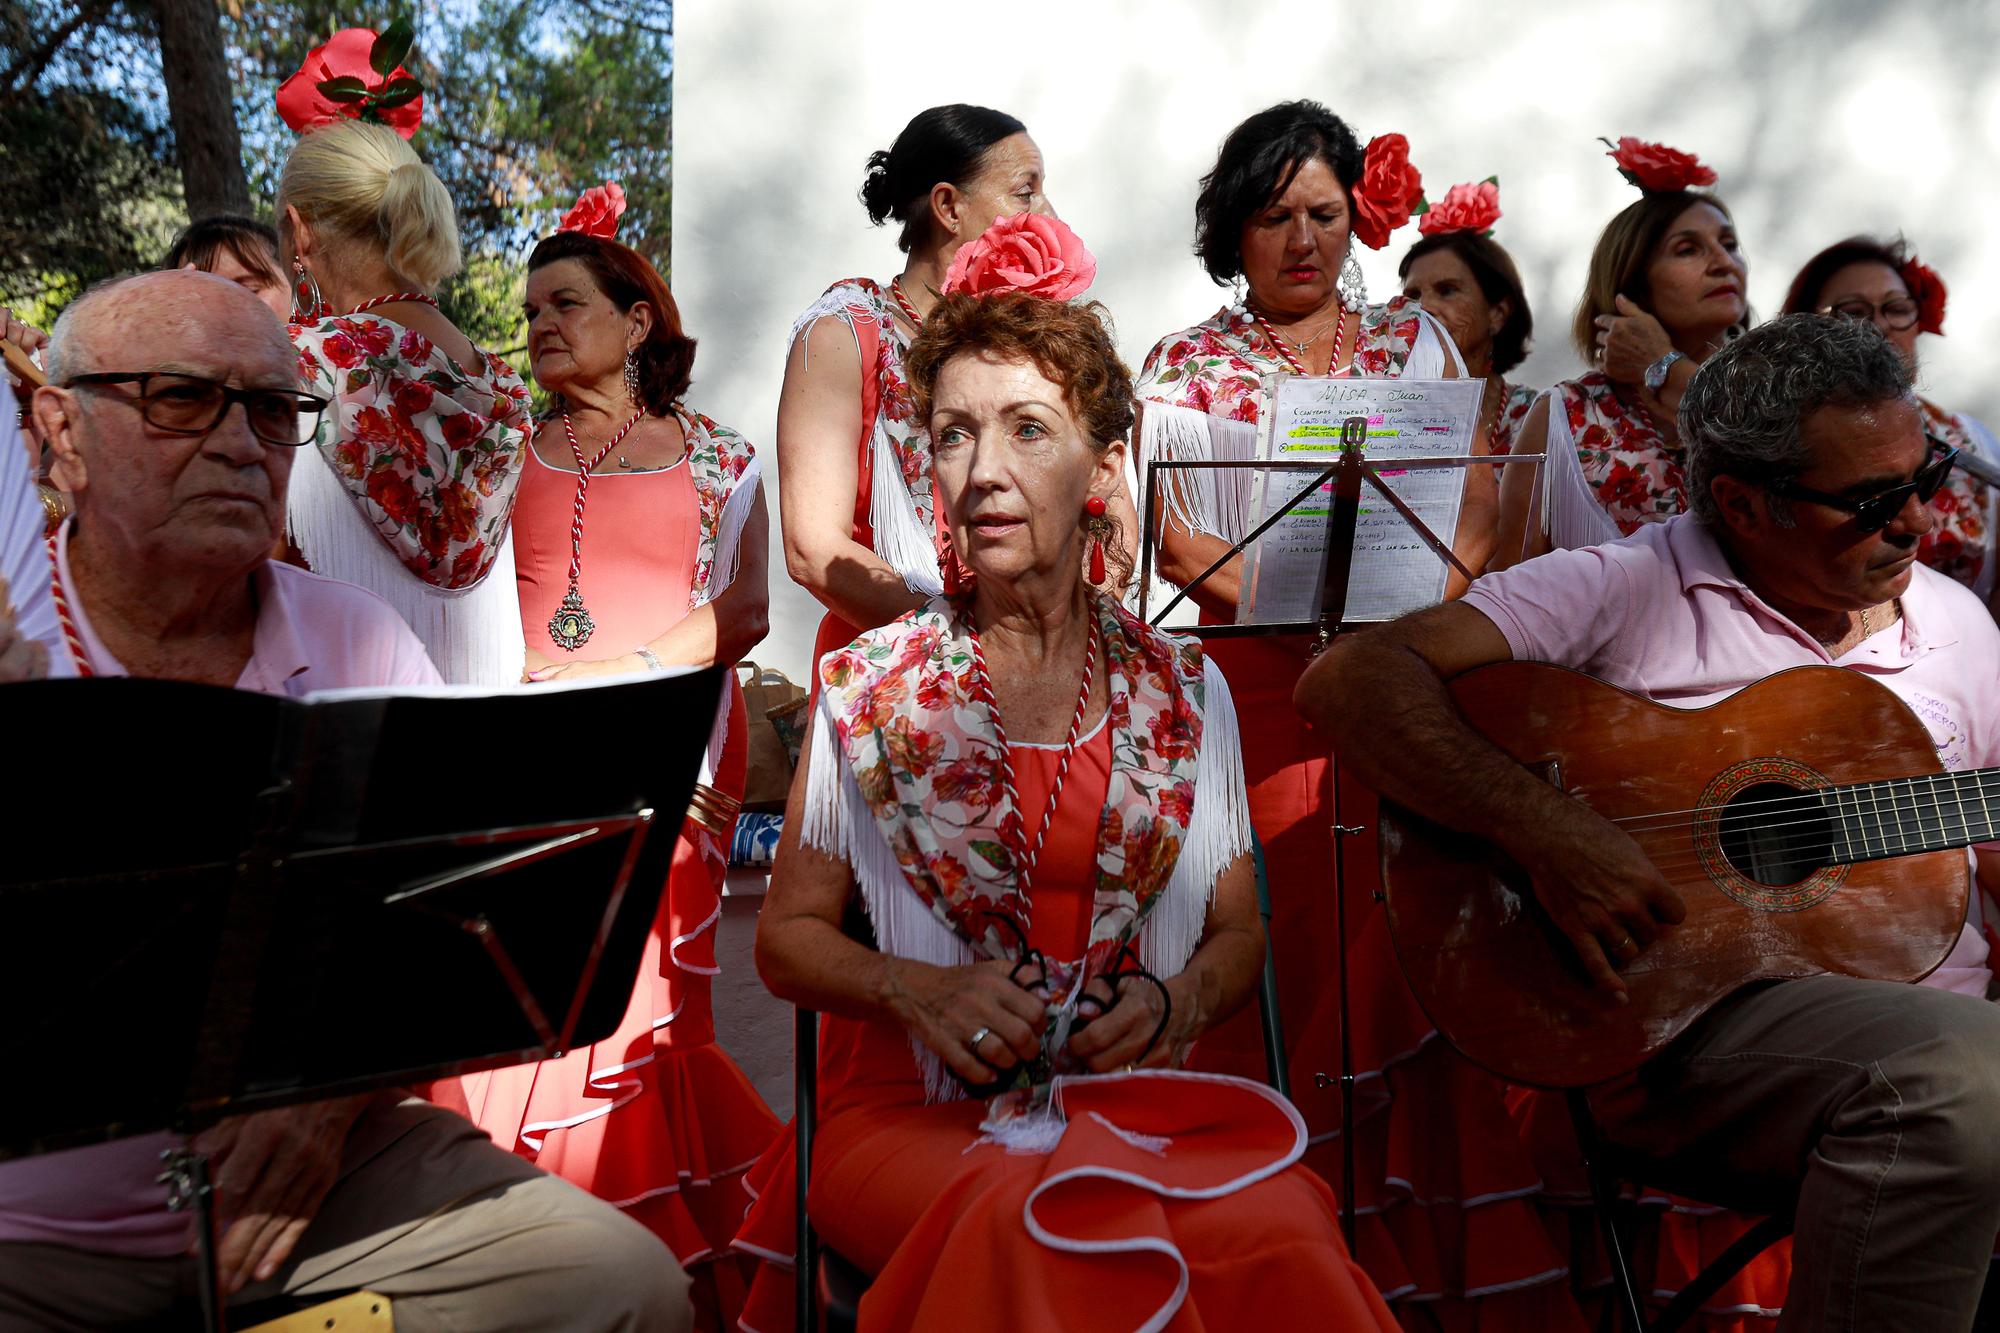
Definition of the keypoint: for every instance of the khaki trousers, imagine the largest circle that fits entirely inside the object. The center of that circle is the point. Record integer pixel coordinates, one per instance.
(1876, 1105)
(458, 1234)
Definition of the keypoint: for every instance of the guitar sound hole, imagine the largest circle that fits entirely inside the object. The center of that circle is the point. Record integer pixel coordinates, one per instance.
(1776, 835)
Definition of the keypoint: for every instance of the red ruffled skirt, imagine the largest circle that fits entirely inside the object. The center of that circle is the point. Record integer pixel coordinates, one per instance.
(657, 1118)
(1170, 1197)
(1450, 1221)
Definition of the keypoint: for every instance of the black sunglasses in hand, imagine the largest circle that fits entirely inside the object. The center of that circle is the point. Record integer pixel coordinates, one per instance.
(191, 405)
(1874, 512)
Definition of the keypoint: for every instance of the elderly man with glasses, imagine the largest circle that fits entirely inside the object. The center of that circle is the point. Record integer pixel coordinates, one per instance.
(1809, 471)
(174, 413)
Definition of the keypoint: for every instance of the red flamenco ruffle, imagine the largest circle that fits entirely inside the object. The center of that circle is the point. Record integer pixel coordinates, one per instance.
(657, 1119)
(1675, 1239)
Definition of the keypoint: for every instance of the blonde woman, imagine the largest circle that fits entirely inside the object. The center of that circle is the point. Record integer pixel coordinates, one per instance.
(410, 489)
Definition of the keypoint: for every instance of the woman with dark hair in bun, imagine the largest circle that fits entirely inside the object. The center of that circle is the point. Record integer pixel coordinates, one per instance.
(857, 504)
(639, 541)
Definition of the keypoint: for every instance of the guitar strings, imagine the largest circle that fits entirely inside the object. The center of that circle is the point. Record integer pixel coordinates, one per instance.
(1985, 781)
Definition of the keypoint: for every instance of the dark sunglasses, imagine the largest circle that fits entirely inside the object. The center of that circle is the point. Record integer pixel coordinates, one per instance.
(191, 405)
(1875, 512)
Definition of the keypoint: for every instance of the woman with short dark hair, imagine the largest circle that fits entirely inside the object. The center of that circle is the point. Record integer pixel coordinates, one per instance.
(1882, 282)
(1667, 285)
(241, 249)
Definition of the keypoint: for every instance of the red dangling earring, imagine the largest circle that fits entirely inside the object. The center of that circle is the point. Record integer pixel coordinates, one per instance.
(1098, 525)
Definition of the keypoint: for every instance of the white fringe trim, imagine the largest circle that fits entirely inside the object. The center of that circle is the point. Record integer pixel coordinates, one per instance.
(736, 512)
(1432, 352)
(473, 635)
(1211, 501)
(900, 537)
(1571, 511)
(839, 823)
(1218, 833)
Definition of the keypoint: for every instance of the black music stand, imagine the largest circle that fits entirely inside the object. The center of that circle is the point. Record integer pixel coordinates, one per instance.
(1348, 474)
(287, 900)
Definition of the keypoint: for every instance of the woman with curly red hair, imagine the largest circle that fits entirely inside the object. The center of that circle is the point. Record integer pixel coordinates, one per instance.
(1881, 281)
(1052, 850)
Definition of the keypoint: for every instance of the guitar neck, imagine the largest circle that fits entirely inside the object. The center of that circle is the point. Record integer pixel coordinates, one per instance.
(1905, 816)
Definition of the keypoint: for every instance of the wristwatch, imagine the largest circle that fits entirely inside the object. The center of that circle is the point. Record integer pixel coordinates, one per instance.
(1656, 374)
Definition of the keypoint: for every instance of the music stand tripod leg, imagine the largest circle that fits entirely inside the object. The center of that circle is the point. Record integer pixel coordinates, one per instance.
(189, 1188)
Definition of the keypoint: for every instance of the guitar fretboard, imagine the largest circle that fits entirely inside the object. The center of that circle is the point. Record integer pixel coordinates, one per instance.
(1904, 816)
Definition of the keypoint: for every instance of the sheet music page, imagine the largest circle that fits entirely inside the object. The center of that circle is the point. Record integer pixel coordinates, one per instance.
(1395, 570)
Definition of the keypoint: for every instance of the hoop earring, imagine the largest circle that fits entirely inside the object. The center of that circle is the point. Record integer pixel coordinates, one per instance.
(307, 303)
(1353, 287)
(632, 373)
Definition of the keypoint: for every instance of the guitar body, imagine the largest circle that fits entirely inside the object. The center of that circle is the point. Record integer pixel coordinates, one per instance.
(1505, 988)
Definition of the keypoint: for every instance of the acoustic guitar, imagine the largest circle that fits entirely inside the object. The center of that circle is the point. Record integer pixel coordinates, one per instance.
(1805, 821)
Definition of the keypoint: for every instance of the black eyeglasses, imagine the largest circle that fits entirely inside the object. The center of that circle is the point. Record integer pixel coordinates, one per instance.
(1875, 512)
(191, 405)
(1898, 312)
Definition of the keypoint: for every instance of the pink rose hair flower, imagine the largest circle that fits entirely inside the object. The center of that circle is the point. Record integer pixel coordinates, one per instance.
(1473, 207)
(1927, 290)
(1389, 193)
(356, 74)
(1656, 168)
(1023, 253)
(596, 211)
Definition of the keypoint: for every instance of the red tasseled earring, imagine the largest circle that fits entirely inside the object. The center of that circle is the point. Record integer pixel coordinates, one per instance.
(1096, 523)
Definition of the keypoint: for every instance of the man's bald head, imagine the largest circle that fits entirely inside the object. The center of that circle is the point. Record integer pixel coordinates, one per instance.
(175, 309)
(211, 500)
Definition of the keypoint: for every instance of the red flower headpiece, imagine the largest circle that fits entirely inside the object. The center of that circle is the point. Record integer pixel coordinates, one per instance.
(1656, 168)
(596, 212)
(1023, 253)
(1389, 193)
(1464, 208)
(1927, 290)
(356, 75)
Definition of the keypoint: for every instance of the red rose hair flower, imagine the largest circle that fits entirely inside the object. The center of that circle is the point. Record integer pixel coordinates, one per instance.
(1656, 168)
(356, 74)
(1389, 192)
(1927, 290)
(596, 211)
(1023, 253)
(1464, 208)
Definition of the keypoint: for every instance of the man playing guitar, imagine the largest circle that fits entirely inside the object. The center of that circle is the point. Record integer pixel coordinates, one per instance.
(1808, 471)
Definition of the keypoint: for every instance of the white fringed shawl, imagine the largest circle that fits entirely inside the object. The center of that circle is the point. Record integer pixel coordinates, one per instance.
(839, 822)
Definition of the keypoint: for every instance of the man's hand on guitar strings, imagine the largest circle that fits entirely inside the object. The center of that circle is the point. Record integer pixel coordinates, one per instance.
(1602, 892)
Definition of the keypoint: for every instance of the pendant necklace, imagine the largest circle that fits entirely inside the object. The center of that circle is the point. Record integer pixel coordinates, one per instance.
(571, 626)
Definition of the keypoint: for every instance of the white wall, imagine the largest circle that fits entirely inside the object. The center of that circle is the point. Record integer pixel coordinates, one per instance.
(1823, 118)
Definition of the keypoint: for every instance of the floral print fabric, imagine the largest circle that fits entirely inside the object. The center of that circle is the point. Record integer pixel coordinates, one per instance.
(895, 405)
(430, 455)
(1633, 469)
(717, 458)
(1961, 543)
(1220, 365)
(925, 749)
(1515, 402)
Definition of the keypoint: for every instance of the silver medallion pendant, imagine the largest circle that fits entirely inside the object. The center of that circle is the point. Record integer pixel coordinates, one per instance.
(571, 625)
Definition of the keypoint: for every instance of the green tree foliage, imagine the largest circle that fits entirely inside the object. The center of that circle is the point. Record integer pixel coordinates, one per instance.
(527, 103)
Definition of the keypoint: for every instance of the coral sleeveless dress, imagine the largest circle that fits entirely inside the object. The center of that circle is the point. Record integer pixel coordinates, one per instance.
(1172, 1197)
(657, 1118)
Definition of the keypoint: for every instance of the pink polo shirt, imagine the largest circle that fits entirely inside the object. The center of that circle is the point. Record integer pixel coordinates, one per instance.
(312, 633)
(1662, 614)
